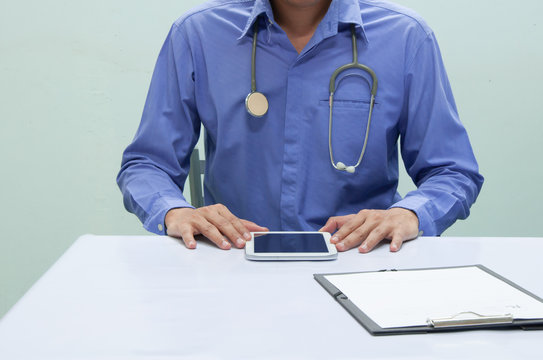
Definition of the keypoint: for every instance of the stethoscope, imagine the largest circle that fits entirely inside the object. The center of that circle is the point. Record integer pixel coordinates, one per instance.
(257, 105)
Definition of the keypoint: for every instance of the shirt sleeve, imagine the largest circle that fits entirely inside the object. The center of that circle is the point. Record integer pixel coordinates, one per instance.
(435, 146)
(155, 165)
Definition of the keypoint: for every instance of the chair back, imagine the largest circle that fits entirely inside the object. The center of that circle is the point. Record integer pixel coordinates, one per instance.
(196, 171)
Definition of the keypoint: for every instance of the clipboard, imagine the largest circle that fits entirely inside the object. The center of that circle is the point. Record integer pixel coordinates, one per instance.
(460, 321)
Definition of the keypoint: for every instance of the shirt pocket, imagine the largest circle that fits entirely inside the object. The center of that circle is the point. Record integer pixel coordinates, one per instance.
(349, 126)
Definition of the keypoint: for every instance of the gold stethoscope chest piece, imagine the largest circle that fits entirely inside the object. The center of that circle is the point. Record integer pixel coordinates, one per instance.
(256, 104)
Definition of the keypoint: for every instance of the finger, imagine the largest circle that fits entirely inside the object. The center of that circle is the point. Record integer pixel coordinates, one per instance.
(396, 243)
(236, 223)
(212, 233)
(355, 238)
(378, 234)
(224, 226)
(187, 235)
(354, 222)
(399, 238)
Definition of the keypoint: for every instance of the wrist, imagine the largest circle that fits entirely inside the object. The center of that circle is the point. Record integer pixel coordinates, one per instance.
(409, 214)
(176, 213)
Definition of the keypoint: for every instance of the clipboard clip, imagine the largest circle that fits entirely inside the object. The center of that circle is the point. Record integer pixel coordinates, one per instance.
(470, 318)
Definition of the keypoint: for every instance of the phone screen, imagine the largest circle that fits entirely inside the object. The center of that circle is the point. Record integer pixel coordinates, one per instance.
(290, 243)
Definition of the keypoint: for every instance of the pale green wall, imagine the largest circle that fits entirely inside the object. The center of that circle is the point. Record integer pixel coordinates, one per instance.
(73, 80)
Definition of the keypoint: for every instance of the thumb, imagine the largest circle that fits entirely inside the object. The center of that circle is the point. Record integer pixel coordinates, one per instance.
(335, 222)
(330, 225)
(251, 226)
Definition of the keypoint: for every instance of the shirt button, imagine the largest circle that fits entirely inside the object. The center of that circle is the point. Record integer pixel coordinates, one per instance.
(160, 227)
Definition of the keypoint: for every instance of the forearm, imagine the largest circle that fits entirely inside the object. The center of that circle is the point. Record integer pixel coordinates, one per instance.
(149, 193)
(442, 198)
(435, 146)
(156, 164)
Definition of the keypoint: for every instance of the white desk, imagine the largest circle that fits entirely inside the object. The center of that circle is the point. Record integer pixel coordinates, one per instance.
(121, 297)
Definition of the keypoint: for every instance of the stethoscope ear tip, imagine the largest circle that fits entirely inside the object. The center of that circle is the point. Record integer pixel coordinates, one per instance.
(342, 167)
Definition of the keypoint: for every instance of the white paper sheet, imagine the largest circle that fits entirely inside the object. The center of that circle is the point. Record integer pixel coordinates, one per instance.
(410, 298)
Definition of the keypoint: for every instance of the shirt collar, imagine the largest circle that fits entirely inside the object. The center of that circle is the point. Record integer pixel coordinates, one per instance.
(340, 12)
(260, 7)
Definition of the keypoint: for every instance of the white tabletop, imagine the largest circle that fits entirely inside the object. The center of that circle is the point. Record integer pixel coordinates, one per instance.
(148, 297)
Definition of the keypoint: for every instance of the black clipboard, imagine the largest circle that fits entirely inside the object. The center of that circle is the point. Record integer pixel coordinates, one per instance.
(438, 325)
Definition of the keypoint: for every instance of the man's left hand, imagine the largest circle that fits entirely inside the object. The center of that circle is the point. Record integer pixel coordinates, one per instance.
(369, 227)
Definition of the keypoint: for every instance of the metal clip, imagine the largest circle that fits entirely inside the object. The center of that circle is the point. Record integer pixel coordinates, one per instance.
(472, 319)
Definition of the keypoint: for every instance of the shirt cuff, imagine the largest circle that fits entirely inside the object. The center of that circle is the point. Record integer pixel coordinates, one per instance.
(420, 206)
(155, 221)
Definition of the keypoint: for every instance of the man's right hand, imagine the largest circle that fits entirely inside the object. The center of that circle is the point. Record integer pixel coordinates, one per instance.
(215, 222)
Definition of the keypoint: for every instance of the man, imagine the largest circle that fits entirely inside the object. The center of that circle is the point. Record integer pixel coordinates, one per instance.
(276, 171)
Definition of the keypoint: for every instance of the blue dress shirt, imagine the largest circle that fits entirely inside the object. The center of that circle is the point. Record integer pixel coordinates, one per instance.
(276, 170)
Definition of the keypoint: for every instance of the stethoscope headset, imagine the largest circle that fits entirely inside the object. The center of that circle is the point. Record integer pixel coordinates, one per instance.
(257, 104)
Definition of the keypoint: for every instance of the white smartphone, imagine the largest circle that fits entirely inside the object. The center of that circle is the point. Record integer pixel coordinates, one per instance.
(290, 245)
